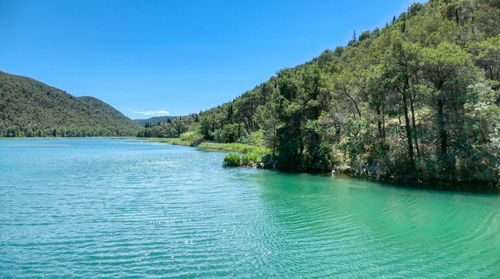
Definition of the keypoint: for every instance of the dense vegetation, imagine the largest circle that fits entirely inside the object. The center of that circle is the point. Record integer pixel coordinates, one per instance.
(152, 121)
(417, 100)
(32, 109)
(172, 128)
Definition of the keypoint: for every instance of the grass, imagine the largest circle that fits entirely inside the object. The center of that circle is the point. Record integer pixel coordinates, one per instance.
(250, 158)
(232, 160)
(235, 147)
(174, 141)
(251, 154)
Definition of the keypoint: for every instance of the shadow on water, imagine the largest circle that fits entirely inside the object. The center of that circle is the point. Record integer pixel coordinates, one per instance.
(335, 226)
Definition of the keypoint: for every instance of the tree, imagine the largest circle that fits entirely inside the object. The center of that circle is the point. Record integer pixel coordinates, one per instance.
(448, 71)
(400, 65)
(345, 84)
(268, 120)
(208, 124)
(487, 56)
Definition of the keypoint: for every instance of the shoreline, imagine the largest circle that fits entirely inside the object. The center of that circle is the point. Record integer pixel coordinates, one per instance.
(212, 146)
(99, 137)
(246, 149)
(431, 185)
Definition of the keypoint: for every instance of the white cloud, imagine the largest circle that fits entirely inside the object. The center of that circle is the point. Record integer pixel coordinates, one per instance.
(152, 112)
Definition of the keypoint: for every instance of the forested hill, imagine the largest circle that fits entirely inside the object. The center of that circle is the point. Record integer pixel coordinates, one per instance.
(416, 100)
(33, 109)
(155, 120)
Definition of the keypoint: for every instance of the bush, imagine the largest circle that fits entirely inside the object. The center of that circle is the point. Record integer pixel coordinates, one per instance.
(255, 139)
(194, 138)
(232, 160)
(251, 158)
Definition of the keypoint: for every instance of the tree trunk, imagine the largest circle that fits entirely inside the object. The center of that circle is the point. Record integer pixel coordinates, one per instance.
(274, 145)
(301, 143)
(407, 127)
(383, 121)
(442, 130)
(415, 136)
(353, 101)
(379, 122)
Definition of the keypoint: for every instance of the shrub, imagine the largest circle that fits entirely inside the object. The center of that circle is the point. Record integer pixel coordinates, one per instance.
(251, 158)
(194, 138)
(255, 139)
(232, 160)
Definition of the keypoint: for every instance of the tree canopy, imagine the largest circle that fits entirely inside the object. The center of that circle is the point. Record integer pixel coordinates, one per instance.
(416, 100)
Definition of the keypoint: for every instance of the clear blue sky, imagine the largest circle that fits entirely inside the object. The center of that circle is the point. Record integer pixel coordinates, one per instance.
(144, 57)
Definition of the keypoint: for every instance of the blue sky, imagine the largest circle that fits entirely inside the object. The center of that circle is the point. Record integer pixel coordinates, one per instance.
(148, 58)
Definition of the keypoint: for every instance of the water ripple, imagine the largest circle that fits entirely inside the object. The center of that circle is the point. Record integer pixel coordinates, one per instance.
(118, 208)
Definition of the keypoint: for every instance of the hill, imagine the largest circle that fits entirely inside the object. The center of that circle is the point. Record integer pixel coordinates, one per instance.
(31, 108)
(415, 101)
(154, 120)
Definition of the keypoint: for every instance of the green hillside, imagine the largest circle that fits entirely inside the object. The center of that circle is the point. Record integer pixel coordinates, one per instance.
(154, 120)
(416, 100)
(33, 109)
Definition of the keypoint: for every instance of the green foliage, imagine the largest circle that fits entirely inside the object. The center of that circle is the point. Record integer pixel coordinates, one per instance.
(230, 133)
(29, 108)
(232, 160)
(416, 100)
(208, 125)
(235, 147)
(153, 121)
(170, 129)
(256, 138)
(175, 141)
(193, 137)
(249, 159)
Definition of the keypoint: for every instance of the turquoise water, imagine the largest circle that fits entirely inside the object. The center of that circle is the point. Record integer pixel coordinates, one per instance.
(126, 208)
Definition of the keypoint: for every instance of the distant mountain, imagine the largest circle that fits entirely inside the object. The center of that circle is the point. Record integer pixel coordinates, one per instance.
(155, 120)
(33, 109)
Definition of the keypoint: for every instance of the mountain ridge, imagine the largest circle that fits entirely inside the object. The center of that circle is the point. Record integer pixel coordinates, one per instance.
(32, 108)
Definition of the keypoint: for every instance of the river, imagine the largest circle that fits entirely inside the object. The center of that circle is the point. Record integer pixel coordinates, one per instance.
(119, 208)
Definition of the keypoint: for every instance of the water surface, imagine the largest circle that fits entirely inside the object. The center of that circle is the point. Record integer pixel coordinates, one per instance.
(126, 208)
